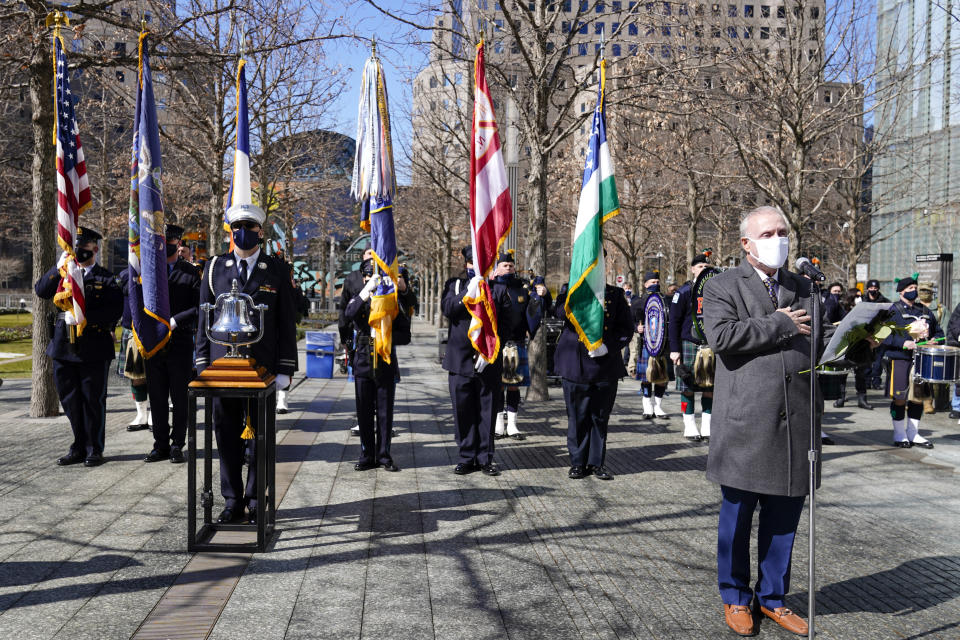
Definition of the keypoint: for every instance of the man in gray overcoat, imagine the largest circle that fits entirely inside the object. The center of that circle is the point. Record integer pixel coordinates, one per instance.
(757, 321)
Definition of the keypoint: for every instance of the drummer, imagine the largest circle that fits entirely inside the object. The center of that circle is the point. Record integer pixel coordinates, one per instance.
(922, 325)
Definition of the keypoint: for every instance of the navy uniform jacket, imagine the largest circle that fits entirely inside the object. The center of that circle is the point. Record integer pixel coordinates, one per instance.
(903, 315)
(352, 284)
(184, 285)
(268, 283)
(680, 327)
(570, 360)
(540, 307)
(518, 318)
(357, 312)
(104, 306)
(459, 357)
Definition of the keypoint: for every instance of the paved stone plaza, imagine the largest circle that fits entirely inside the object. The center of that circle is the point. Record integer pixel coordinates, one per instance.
(423, 554)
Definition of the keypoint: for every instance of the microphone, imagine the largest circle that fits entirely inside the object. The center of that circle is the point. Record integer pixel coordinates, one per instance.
(807, 268)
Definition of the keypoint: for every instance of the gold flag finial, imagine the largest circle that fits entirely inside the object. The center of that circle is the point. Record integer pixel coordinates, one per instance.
(56, 19)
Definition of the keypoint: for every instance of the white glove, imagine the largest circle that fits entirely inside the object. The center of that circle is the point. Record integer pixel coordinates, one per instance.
(173, 324)
(481, 364)
(368, 288)
(387, 281)
(282, 381)
(599, 352)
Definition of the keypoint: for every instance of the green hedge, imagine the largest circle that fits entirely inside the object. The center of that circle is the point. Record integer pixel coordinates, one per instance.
(9, 334)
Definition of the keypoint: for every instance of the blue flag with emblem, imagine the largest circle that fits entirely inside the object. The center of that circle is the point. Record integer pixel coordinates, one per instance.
(374, 186)
(149, 294)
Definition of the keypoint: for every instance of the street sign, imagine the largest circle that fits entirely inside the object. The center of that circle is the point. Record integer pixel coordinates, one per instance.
(934, 257)
(862, 271)
(620, 279)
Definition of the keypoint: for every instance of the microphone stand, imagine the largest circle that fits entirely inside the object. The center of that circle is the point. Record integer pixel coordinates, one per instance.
(812, 455)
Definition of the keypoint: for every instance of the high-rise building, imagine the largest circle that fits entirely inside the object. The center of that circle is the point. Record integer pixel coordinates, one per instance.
(916, 177)
(654, 32)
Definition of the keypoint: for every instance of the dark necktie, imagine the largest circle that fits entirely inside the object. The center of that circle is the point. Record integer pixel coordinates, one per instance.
(242, 268)
(771, 289)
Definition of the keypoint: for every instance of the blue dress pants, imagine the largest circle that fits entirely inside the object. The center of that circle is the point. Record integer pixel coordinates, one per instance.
(778, 519)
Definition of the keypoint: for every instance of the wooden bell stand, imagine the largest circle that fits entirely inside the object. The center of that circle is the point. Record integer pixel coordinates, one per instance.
(232, 378)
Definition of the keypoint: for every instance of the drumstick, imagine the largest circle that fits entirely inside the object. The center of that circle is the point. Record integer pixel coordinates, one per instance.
(920, 344)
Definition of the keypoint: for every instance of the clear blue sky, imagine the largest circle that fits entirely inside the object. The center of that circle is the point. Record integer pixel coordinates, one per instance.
(400, 60)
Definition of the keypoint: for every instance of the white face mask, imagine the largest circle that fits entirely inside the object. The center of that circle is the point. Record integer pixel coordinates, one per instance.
(772, 252)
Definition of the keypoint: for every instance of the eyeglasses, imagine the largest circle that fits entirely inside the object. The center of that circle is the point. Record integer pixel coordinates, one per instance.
(245, 224)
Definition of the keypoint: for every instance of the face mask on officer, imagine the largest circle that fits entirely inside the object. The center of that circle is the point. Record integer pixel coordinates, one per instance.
(83, 255)
(910, 295)
(247, 236)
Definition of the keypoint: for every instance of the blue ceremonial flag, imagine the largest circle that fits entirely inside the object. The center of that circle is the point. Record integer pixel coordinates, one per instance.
(374, 186)
(149, 293)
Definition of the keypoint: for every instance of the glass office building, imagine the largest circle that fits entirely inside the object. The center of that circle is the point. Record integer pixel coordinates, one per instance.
(916, 178)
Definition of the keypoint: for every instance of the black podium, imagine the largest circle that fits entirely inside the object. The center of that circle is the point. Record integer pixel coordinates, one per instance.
(265, 400)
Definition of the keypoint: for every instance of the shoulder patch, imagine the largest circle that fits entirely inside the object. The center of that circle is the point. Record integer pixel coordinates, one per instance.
(676, 298)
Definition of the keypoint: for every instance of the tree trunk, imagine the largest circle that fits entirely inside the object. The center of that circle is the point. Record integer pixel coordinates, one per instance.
(43, 397)
(537, 352)
(215, 221)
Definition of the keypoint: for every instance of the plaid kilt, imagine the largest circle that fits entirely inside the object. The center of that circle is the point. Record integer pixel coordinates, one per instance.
(645, 358)
(687, 357)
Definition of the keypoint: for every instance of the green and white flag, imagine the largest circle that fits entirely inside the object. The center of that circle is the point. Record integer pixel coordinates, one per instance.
(598, 203)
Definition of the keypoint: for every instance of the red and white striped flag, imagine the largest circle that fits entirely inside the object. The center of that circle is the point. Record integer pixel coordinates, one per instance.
(491, 214)
(73, 192)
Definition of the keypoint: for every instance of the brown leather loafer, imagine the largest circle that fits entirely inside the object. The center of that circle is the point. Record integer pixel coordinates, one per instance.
(787, 619)
(740, 619)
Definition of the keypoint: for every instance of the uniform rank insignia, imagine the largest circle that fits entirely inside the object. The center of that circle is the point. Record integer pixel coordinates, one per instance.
(261, 265)
(519, 298)
(228, 263)
(267, 289)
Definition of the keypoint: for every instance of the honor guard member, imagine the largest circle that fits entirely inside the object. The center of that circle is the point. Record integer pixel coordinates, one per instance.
(80, 369)
(652, 391)
(590, 381)
(168, 371)
(683, 350)
(756, 318)
(374, 380)
(515, 325)
(264, 279)
(352, 284)
(921, 324)
(474, 383)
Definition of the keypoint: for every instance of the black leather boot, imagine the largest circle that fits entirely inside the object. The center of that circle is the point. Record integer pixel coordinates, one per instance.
(838, 403)
(862, 401)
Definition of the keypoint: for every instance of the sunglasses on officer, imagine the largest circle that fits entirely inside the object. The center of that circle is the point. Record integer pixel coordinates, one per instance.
(244, 224)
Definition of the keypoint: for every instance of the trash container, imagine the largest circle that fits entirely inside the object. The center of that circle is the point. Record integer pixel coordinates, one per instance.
(320, 351)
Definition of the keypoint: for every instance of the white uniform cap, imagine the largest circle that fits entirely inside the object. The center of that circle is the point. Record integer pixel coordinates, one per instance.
(240, 212)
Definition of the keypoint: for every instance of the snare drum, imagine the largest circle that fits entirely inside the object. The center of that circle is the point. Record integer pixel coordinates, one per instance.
(938, 364)
(832, 381)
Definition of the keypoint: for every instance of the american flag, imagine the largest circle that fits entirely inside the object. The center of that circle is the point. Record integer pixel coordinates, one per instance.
(73, 193)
